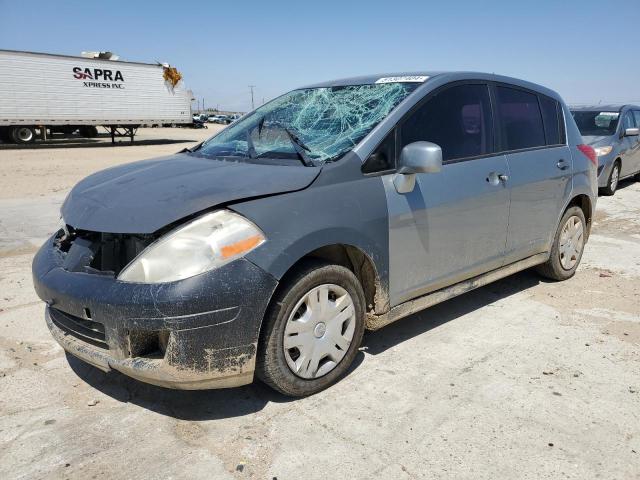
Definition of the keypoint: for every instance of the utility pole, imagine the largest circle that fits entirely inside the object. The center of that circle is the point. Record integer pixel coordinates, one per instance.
(252, 87)
(203, 104)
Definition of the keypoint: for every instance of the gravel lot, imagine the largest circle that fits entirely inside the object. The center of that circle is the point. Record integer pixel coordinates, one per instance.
(520, 379)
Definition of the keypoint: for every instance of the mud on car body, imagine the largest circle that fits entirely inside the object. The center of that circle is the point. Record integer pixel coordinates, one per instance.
(268, 249)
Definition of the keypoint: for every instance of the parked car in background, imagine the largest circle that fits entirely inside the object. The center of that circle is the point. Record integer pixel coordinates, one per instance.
(613, 131)
(268, 249)
(216, 118)
(201, 117)
(221, 119)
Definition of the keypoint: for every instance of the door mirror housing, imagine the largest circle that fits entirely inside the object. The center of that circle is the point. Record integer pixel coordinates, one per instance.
(417, 157)
(420, 157)
(632, 132)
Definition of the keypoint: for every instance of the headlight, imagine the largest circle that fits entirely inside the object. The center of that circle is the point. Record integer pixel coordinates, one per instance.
(203, 244)
(601, 151)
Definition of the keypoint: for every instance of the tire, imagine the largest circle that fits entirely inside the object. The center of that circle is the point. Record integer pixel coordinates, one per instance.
(561, 266)
(275, 365)
(614, 179)
(89, 131)
(23, 135)
(5, 135)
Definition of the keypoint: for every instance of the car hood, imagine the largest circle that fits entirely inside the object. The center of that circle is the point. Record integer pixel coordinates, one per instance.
(598, 141)
(143, 197)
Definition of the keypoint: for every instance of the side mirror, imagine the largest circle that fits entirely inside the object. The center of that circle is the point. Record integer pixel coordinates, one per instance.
(420, 157)
(417, 157)
(630, 132)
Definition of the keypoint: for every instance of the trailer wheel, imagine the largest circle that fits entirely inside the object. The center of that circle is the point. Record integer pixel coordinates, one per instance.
(5, 135)
(89, 131)
(23, 135)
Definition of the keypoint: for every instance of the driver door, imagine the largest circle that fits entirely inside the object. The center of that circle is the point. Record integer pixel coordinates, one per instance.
(453, 224)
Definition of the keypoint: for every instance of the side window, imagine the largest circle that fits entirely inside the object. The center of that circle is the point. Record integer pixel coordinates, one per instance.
(636, 114)
(457, 119)
(551, 120)
(521, 119)
(384, 157)
(563, 131)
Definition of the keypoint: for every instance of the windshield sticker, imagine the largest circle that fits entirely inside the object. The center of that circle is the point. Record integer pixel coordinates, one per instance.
(610, 114)
(404, 78)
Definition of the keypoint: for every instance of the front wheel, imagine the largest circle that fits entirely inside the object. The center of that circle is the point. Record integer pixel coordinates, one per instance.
(312, 329)
(567, 248)
(614, 178)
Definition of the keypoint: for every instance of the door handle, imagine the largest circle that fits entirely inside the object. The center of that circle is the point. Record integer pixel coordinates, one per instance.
(562, 164)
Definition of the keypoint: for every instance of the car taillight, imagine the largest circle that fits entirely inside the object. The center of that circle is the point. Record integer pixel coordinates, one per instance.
(589, 152)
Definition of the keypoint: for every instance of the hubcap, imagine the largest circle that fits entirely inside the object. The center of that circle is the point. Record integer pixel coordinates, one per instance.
(571, 242)
(319, 331)
(615, 176)
(24, 134)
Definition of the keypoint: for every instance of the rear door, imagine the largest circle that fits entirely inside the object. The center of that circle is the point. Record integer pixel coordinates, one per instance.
(631, 119)
(532, 135)
(453, 225)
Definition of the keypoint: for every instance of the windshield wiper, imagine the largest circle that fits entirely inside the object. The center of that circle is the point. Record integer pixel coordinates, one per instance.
(298, 145)
(300, 148)
(251, 148)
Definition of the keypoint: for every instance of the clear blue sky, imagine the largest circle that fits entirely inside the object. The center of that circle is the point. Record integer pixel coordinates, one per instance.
(588, 51)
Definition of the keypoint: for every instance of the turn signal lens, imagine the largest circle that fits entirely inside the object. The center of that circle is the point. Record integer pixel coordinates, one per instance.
(601, 151)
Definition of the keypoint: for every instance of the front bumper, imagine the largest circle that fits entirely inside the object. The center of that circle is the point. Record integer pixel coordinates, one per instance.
(197, 333)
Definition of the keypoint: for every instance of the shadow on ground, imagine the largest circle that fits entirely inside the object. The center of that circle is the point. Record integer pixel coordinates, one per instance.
(92, 143)
(202, 405)
(421, 322)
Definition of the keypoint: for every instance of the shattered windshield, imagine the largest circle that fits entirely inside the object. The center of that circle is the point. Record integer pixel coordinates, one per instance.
(311, 125)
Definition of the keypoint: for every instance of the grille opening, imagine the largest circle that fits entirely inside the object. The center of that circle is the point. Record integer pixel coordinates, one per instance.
(86, 330)
(148, 343)
(87, 313)
(115, 251)
(111, 251)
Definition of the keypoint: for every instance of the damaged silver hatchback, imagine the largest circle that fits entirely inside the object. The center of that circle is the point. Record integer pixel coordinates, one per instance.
(268, 249)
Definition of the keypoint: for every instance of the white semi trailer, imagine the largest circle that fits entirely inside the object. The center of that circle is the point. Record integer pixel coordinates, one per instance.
(41, 93)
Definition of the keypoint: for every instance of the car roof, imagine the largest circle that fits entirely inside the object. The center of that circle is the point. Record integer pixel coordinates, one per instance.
(603, 108)
(433, 76)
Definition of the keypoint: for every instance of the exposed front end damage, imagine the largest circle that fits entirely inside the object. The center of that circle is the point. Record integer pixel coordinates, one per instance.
(197, 333)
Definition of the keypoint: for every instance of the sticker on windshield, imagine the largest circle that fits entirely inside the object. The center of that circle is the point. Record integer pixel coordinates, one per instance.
(610, 114)
(403, 78)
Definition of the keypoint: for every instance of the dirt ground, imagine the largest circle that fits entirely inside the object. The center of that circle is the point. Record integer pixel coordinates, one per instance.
(520, 379)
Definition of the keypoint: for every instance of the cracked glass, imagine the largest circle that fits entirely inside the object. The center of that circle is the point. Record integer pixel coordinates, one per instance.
(311, 125)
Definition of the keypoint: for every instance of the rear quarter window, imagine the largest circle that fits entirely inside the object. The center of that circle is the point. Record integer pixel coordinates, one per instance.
(551, 117)
(520, 119)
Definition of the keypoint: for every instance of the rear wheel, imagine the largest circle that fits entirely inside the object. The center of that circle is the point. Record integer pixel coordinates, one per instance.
(89, 131)
(614, 179)
(312, 330)
(567, 248)
(23, 135)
